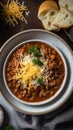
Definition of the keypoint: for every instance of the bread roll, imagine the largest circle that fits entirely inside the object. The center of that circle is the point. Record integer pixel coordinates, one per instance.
(47, 13)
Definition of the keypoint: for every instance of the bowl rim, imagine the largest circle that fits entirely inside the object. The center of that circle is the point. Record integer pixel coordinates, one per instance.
(63, 82)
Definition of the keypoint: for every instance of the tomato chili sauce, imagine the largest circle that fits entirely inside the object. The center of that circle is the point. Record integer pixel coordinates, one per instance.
(34, 72)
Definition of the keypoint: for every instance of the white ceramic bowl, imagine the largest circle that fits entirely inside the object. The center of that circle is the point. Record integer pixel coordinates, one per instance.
(62, 85)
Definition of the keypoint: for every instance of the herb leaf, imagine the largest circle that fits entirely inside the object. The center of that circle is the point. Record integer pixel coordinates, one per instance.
(9, 127)
(37, 62)
(35, 50)
(39, 81)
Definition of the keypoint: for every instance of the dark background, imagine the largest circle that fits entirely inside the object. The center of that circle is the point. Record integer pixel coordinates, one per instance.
(7, 31)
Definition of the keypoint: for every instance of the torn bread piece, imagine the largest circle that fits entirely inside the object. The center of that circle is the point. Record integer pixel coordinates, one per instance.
(68, 4)
(64, 19)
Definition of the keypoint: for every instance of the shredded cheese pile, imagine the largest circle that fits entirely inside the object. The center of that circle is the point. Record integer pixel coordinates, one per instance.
(12, 11)
(27, 71)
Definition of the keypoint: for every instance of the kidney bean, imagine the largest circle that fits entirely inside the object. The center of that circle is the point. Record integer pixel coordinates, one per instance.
(28, 95)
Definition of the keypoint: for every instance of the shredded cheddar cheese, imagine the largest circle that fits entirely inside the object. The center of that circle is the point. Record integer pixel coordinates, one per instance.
(27, 72)
(12, 11)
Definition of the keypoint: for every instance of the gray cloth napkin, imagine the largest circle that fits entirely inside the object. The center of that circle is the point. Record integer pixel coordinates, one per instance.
(69, 33)
(61, 119)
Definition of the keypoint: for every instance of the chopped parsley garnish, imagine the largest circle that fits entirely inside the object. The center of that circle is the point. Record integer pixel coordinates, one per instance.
(39, 81)
(9, 127)
(37, 62)
(35, 50)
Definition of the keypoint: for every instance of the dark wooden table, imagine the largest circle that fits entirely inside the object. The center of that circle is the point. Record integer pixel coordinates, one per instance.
(7, 31)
